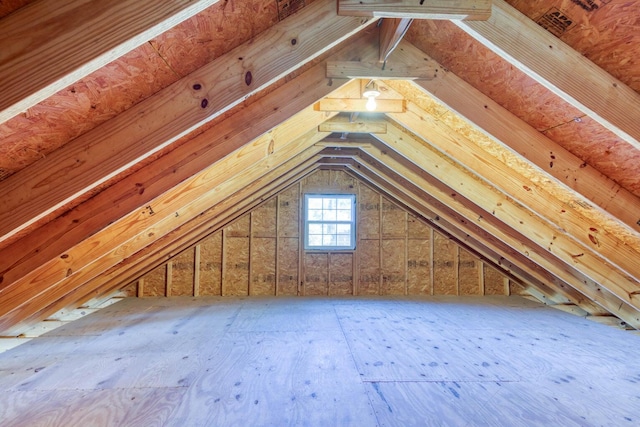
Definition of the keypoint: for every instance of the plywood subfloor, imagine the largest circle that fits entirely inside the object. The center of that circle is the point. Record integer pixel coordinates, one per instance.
(443, 361)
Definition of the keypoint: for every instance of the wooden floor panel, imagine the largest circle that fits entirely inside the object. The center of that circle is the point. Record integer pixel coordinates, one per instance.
(442, 361)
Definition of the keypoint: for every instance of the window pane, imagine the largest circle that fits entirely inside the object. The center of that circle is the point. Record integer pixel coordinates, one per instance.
(343, 215)
(344, 240)
(328, 215)
(328, 240)
(315, 228)
(329, 229)
(315, 203)
(315, 215)
(329, 203)
(343, 229)
(315, 240)
(344, 203)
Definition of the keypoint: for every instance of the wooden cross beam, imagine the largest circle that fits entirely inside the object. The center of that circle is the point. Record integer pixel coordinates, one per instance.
(418, 9)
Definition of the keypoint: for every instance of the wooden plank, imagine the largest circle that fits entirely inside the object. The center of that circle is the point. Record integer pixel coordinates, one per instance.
(559, 68)
(316, 273)
(183, 272)
(373, 70)
(263, 266)
(341, 274)
(514, 133)
(394, 275)
(444, 270)
(88, 161)
(444, 9)
(358, 105)
(211, 265)
(45, 48)
(344, 124)
(468, 266)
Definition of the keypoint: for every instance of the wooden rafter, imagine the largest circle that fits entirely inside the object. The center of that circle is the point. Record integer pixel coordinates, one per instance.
(427, 9)
(561, 69)
(36, 192)
(45, 47)
(392, 30)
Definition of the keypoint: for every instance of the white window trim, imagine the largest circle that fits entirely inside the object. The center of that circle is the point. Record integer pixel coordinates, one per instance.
(306, 220)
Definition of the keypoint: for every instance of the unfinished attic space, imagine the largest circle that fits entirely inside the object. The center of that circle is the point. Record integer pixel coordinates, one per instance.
(319, 213)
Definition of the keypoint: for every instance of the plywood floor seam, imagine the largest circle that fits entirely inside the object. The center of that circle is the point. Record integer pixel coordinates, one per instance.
(212, 361)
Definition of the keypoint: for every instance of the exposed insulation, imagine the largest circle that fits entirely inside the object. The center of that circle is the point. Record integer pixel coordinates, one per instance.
(316, 272)
(368, 213)
(493, 281)
(289, 212)
(341, 274)
(235, 280)
(182, 274)
(264, 219)
(444, 266)
(419, 266)
(394, 219)
(154, 282)
(288, 261)
(393, 267)
(369, 266)
(263, 266)
(211, 265)
(468, 273)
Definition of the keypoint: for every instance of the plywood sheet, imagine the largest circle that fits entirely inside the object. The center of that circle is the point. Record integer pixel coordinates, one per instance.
(341, 274)
(516, 288)
(417, 228)
(263, 266)
(369, 266)
(368, 218)
(468, 273)
(419, 267)
(342, 181)
(182, 274)
(131, 290)
(317, 181)
(235, 280)
(493, 281)
(444, 266)
(289, 212)
(316, 273)
(393, 266)
(264, 219)
(154, 282)
(394, 219)
(288, 261)
(211, 265)
(239, 228)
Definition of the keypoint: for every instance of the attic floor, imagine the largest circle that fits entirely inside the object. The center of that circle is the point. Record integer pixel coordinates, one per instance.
(496, 361)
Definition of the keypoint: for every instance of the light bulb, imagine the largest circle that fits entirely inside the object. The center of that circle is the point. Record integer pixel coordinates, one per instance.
(371, 103)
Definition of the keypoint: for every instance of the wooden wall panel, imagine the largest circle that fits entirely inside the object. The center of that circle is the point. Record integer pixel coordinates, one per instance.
(211, 265)
(289, 212)
(369, 267)
(394, 219)
(183, 274)
(260, 254)
(288, 262)
(263, 265)
(393, 267)
(493, 281)
(368, 213)
(316, 272)
(468, 273)
(444, 266)
(341, 274)
(154, 282)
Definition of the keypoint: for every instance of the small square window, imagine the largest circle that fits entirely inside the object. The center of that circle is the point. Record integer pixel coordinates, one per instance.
(330, 221)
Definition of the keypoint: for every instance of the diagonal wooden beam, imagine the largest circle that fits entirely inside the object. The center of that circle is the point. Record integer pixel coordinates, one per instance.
(46, 46)
(616, 245)
(514, 216)
(559, 68)
(392, 30)
(424, 9)
(33, 194)
(342, 124)
(34, 292)
(459, 97)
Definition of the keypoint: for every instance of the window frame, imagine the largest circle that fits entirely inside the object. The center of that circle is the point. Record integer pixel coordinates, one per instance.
(307, 222)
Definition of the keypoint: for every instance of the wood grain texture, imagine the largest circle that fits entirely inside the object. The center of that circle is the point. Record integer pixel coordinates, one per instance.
(44, 49)
(560, 69)
(448, 9)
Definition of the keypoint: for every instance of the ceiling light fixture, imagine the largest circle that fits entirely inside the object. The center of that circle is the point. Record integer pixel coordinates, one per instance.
(371, 96)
